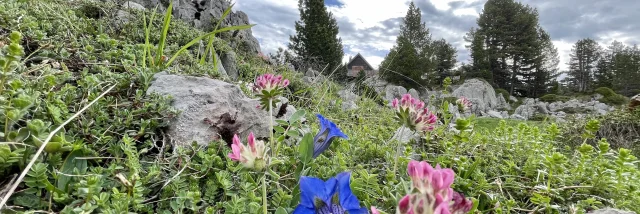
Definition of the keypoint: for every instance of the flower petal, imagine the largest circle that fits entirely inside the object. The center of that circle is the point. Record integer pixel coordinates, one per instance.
(303, 210)
(310, 188)
(348, 200)
(362, 210)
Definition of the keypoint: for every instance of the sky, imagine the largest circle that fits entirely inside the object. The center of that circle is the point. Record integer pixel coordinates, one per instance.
(370, 27)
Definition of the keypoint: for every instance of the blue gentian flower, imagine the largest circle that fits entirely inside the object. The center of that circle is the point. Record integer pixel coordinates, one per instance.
(333, 196)
(322, 140)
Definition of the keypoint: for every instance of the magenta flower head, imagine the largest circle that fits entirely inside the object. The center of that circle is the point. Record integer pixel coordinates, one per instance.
(268, 87)
(431, 191)
(412, 113)
(463, 104)
(253, 156)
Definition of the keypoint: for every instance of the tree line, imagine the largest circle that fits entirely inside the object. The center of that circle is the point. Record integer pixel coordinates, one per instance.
(508, 48)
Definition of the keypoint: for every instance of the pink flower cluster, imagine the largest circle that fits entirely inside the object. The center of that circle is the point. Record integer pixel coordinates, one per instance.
(463, 103)
(252, 157)
(417, 116)
(434, 194)
(269, 82)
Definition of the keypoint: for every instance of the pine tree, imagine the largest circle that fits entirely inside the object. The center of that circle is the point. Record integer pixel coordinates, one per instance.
(444, 58)
(585, 55)
(317, 38)
(410, 60)
(508, 45)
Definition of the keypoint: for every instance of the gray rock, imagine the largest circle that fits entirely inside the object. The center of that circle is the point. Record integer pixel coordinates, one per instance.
(349, 105)
(312, 73)
(133, 5)
(228, 60)
(347, 95)
(504, 114)
(610, 211)
(480, 93)
(494, 114)
(502, 103)
(601, 106)
(204, 14)
(220, 68)
(198, 98)
(414, 93)
(405, 135)
(513, 99)
(392, 92)
(517, 117)
(378, 84)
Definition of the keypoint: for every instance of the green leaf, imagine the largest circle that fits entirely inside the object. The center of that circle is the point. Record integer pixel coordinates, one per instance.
(293, 133)
(163, 36)
(279, 129)
(306, 148)
(70, 163)
(297, 115)
(281, 210)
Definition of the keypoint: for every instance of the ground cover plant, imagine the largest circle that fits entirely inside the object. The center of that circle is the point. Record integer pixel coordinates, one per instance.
(75, 81)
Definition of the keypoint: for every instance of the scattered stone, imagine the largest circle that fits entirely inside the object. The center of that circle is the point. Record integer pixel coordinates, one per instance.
(392, 92)
(611, 211)
(635, 102)
(513, 99)
(228, 60)
(405, 135)
(348, 99)
(201, 99)
(494, 114)
(414, 93)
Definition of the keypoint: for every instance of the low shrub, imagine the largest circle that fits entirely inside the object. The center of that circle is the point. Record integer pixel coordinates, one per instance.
(606, 92)
(554, 98)
(504, 93)
(610, 97)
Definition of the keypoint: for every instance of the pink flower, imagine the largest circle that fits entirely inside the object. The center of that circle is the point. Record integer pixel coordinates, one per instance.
(253, 157)
(374, 210)
(267, 84)
(463, 104)
(434, 193)
(413, 114)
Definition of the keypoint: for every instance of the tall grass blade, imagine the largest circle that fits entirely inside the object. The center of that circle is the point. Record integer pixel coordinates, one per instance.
(212, 37)
(163, 36)
(194, 41)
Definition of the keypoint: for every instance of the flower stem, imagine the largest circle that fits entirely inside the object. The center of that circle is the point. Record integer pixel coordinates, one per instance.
(395, 163)
(264, 193)
(274, 152)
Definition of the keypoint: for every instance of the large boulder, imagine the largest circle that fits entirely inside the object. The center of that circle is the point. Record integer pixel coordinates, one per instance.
(378, 84)
(348, 99)
(480, 93)
(414, 93)
(391, 92)
(204, 14)
(209, 109)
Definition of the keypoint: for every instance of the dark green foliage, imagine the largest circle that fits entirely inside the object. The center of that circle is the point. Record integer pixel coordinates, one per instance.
(584, 58)
(554, 98)
(503, 93)
(317, 38)
(604, 91)
(510, 45)
(610, 97)
(415, 60)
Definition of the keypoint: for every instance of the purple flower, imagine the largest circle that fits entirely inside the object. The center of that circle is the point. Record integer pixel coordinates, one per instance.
(318, 196)
(328, 131)
(412, 113)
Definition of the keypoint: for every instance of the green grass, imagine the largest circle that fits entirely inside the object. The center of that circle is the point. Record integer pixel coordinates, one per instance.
(489, 124)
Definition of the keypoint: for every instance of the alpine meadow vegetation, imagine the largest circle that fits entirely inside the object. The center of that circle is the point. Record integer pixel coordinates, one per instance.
(79, 133)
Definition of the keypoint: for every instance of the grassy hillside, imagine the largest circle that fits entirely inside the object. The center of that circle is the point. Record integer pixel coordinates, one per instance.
(114, 157)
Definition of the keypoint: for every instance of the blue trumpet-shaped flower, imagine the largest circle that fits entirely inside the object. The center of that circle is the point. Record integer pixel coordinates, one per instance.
(328, 131)
(332, 196)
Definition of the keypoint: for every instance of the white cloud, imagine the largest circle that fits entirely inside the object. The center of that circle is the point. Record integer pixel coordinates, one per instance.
(370, 27)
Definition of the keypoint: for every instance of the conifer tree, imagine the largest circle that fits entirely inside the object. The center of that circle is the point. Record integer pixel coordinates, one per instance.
(317, 38)
(585, 55)
(411, 58)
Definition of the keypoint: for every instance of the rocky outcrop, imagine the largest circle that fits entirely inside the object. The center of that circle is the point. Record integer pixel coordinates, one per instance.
(348, 99)
(378, 84)
(480, 93)
(228, 61)
(212, 109)
(204, 14)
(531, 107)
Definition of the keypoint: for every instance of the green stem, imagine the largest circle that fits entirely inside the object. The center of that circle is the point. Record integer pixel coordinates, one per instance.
(395, 163)
(264, 193)
(271, 142)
